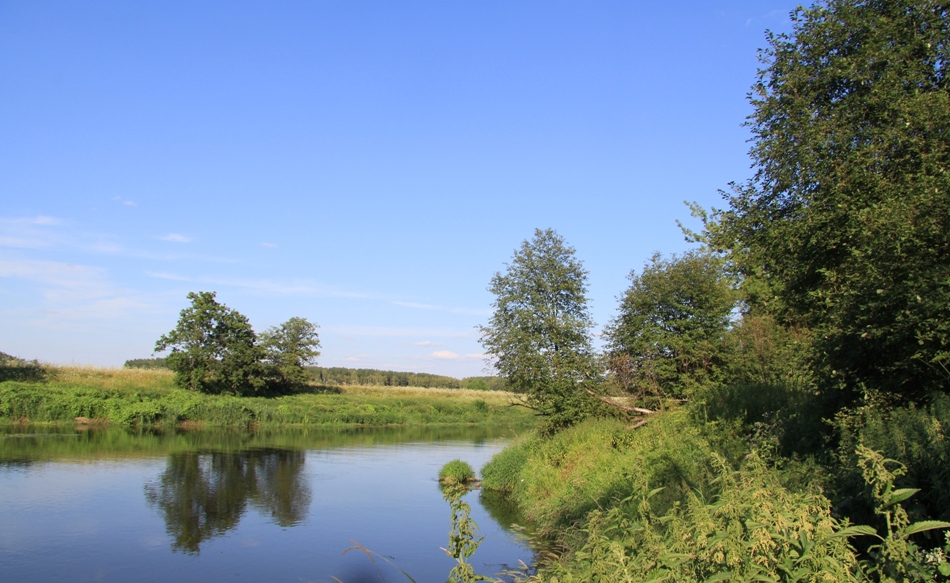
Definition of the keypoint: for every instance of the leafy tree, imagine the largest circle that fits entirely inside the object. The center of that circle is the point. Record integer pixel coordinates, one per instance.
(290, 347)
(213, 349)
(848, 215)
(539, 334)
(668, 334)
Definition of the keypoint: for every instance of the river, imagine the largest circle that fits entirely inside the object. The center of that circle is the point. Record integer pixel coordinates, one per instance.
(113, 505)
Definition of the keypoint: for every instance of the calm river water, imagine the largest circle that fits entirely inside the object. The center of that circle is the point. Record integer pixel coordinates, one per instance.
(203, 506)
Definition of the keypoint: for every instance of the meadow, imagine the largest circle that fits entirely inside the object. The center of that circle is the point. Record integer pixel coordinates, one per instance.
(149, 397)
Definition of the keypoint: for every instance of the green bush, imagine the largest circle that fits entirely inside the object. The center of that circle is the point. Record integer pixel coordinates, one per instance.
(456, 472)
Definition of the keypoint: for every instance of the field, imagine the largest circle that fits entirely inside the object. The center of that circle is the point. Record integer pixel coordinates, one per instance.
(140, 397)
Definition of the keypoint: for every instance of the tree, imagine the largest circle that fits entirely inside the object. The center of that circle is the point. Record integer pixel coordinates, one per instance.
(848, 215)
(213, 349)
(539, 334)
(668, 334)
(290, 347)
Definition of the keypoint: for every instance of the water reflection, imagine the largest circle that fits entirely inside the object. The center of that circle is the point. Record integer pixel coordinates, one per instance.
(202, 495)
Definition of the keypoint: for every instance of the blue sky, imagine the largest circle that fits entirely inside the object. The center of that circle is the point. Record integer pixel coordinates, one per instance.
(366, 165)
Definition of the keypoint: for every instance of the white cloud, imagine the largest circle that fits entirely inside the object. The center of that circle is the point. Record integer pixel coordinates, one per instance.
(175, 238)
(269, 245)
(427, 343)
(444, 354)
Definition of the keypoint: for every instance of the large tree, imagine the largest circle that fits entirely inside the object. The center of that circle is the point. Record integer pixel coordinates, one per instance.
(848, 216)
(667, 336)
(289, 348)
(539, 336)
(213, 349)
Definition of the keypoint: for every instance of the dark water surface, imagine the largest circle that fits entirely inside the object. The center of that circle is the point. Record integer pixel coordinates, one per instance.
(205, 506)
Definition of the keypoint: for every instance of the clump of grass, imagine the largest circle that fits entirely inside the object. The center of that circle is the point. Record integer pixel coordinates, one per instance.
(456, 472)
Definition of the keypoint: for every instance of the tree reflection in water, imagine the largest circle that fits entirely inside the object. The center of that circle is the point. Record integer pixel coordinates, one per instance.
(204, 494)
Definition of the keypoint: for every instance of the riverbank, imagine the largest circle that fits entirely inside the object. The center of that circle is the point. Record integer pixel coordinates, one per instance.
(685, 499)
(137, 397)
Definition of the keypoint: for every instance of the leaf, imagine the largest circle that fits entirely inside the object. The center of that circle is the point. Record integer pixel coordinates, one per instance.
(898, 496)
(727, 576)
(859, 530)
(922, 526)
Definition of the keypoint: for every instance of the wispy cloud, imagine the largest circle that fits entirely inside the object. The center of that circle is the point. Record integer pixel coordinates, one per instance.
(427, 343)
(69, 291)
(269, 245)
(123, 201)
(29, 232)
(175, 238)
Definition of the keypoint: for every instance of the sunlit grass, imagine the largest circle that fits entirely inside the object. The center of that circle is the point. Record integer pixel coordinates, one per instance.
(150, 397)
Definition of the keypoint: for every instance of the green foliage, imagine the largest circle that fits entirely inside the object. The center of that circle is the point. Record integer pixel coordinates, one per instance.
(288, 348)
(667, 337)
(896, 557)
(369, 377)
(17, 369)
(213, 349)
(463, 536)
(913, 436)
(557, 480)
(847, 221)
(754, 529)
(503, 470)
(456, 472)
(146, 363)
(539, 335)
(137, 397)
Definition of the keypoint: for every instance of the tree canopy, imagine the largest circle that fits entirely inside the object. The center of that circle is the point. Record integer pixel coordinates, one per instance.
(215, 350)
(847, 219)
(539, 334)
(290, 347)
(668, 333)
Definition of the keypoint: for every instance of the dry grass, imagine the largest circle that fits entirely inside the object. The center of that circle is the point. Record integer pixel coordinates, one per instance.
(111, 378)
(490, 397)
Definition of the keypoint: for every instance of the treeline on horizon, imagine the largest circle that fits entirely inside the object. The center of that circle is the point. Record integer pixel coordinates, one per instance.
(369, 377)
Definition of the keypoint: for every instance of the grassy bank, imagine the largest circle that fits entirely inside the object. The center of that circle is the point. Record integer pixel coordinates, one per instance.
(149, 397)
(683, 500)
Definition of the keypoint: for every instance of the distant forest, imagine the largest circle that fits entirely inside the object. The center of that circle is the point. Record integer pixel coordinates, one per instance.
(371, 377)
